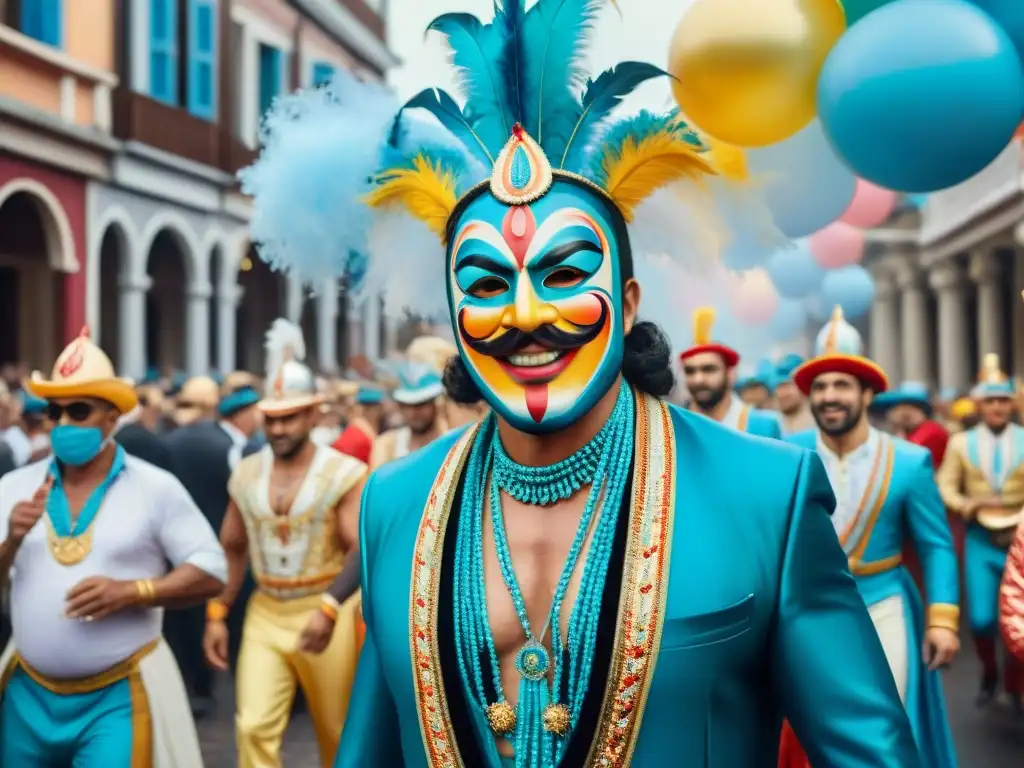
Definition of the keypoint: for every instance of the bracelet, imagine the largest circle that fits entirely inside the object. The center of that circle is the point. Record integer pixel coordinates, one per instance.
(216, 610)
(329, 607)
(146, 590)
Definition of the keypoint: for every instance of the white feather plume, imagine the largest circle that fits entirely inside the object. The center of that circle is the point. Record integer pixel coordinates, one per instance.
(283, 342)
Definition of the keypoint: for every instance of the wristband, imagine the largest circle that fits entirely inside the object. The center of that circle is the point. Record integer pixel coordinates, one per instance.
(216, 611)
(329, 607)
(146, 590)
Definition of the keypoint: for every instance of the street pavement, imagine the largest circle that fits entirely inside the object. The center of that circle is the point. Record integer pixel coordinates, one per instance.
(991, 738)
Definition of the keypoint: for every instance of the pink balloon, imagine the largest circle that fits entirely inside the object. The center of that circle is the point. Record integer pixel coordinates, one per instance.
(871, 205)
(753, 297)
(837, 245)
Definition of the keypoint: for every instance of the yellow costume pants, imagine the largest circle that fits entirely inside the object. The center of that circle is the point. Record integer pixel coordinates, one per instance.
(270, 667)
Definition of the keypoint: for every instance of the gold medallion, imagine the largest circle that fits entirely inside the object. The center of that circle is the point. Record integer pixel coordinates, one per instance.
(557, 719)
(502, 718)
(70, 550)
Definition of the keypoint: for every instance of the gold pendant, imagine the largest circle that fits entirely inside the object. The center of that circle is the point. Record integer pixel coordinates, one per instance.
(502, 718)
(557, 719)
(70, 550)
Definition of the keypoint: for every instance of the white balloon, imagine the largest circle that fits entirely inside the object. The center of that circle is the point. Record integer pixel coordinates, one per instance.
(806, 185)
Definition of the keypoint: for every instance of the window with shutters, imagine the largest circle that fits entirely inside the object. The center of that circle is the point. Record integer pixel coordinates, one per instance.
(202, 58)
(42, 20)
(271, 74)
(163, 51)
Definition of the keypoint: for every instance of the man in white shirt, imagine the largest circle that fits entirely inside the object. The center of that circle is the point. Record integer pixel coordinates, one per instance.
(88, 680)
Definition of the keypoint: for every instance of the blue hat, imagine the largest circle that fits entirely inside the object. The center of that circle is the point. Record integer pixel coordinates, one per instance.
(417, 384)
(763, 376)
(992, 382)
(948, 394)
(785, 367)
(31, 405)
(369, 396)
(907, 393)
(152, 375)
(243, 397)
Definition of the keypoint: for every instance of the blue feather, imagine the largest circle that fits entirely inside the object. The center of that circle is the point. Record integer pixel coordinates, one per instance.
(477, 55)
(555, 39)
(602, 96)
(509, 22)
(442, 106)
(637, 128)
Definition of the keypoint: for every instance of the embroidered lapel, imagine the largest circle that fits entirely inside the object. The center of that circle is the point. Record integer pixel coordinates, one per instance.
(644, 587)
(741, 422)
(431, 703)
(856, 539)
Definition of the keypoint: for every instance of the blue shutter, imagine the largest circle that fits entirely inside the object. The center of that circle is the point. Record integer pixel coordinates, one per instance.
(202, 58)
(271, 76)
(163, 50)
(322, 73)
(43, 20)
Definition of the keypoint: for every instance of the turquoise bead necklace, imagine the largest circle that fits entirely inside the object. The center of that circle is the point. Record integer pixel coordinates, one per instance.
(540, 722)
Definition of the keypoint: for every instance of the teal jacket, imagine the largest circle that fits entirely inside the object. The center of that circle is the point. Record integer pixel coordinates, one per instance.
(904, 500)
(764, 424)
(742, 612)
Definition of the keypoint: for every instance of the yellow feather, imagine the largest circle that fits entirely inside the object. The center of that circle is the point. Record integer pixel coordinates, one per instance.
(638, 169)
(729, 161)
(703, 322)
(425, 190)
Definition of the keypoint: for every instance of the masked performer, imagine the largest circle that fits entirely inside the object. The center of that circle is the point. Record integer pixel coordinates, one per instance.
(567, 592)
(293, 515)
(982, 479)
(87, 680)
(885, 487)
(710, 372)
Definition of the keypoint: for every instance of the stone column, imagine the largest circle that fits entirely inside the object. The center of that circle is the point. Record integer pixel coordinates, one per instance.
(197, 329)
(948, 281)
(371, 328)
(986, 272)
(293, 299)
(227, 321)
(327, 326)
(915, 338)
(132, 317)
(885, 338)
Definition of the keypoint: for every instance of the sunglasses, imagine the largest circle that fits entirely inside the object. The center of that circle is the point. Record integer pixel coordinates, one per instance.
(75, 411)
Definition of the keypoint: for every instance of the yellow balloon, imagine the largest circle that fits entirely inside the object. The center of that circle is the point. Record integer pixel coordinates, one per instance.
(747, 70)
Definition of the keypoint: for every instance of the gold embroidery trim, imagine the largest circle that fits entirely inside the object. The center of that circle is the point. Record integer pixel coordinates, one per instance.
(864, 496)
(436, 728)
(946, 615)
(644, 588)
(97, 682)
(883, 494)
(875, 567)
(142, 721)
(741, 423)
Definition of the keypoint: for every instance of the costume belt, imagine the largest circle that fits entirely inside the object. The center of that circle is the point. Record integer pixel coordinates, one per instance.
(284, 588)
(69, 687)
(886, 564)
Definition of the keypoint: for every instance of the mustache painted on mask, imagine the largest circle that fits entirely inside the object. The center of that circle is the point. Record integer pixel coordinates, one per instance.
(548, 336)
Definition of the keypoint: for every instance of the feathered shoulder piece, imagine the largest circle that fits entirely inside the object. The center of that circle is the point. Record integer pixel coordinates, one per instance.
(284, 343)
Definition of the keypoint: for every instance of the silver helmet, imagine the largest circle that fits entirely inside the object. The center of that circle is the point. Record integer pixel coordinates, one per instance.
(290, 385)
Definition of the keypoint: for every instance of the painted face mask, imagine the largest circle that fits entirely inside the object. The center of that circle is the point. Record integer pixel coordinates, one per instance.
(535, 296)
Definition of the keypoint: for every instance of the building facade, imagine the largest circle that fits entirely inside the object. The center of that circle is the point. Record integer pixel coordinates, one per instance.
(948, 279)
(123, 124)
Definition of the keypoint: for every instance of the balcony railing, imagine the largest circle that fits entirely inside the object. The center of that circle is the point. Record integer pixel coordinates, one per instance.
(171, 129)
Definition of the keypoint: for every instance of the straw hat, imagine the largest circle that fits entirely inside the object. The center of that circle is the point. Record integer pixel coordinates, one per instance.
(198, 394)
(419, 383)
(431, 350)
(84, 370)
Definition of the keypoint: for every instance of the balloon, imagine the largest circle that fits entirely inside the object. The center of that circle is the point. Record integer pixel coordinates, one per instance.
(789, 320)
(747, 70)
(753, 297)
(858, 9)
(816, 307)
(806, 187)
(837, 245)
(871, 205)
(852, 288)
(1010, 15)
(794, 272)
(921, 94)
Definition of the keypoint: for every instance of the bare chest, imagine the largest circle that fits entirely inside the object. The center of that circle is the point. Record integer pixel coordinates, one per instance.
(283, 488)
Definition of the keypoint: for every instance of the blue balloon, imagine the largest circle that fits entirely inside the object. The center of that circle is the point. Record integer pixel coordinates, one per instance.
(1010, 15)
(806, 186)
(852, 288)
(789, 320)
(921, 94)
(794, 272)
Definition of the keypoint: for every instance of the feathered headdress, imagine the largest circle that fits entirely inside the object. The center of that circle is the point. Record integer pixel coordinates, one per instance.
(530, 115)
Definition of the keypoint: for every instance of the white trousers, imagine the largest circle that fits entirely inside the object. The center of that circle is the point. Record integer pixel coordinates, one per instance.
(891, 625)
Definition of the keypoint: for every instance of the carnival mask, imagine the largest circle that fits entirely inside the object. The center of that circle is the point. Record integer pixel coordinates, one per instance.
(535, 295)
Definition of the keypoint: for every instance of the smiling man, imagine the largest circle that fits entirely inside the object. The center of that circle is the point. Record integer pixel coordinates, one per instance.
(578, 578)
(709, 369)
(885, 489)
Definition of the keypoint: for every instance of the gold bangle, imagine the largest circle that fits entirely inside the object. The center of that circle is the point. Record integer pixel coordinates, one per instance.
(945, 615)
(329, 607)
(216, 611)
(146, 590)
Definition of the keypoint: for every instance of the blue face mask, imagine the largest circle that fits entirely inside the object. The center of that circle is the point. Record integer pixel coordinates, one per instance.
(76, 445)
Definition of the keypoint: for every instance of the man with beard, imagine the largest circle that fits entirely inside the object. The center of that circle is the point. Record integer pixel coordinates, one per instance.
(419, 388)
(710, 372)
(885, 488)
(794, 410)
(516, 584)
(982, 480)
(293, 517)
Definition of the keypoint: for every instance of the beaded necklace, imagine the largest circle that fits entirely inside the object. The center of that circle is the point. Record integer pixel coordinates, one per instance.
(545, 713)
